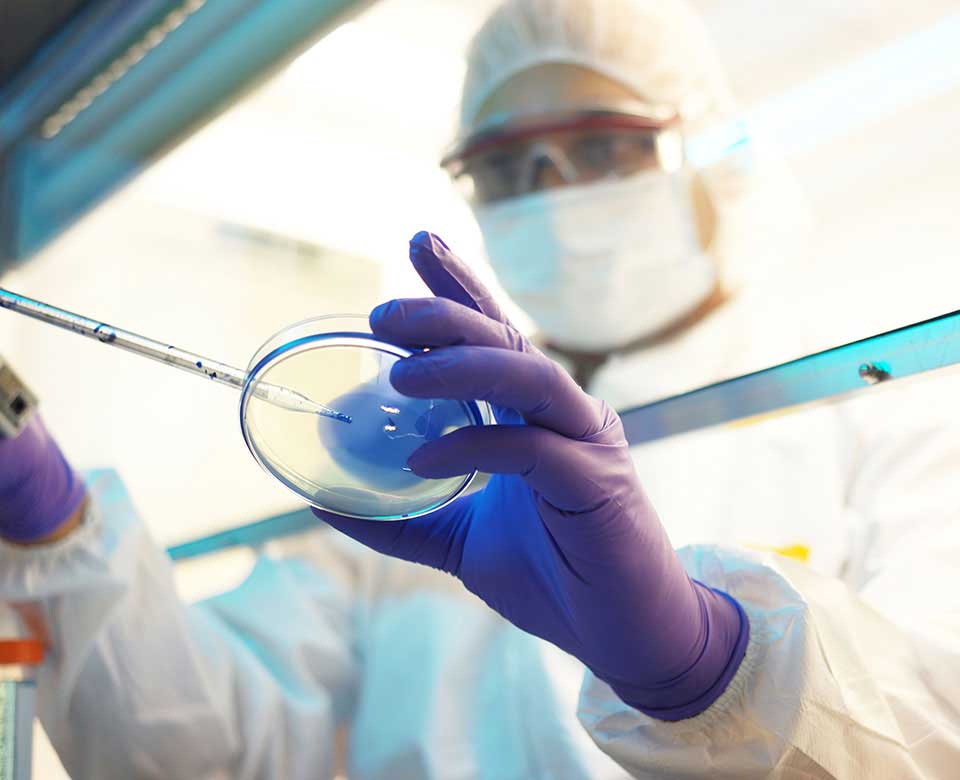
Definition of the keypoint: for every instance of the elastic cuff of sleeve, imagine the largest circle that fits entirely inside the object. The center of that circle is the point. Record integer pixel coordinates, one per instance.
(12, 549)
(43, 522)
(724, 637)
(703, 702)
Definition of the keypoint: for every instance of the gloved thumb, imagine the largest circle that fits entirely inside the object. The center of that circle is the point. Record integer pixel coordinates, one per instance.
(434, 540)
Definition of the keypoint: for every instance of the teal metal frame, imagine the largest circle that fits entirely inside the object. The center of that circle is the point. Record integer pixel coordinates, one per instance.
(834, 375)
(220, 50)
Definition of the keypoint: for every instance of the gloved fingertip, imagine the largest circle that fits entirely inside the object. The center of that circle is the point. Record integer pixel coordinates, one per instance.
(429, 462)
(422, 238)
(399, 371)
(422, 245)
(429, 243)
(405, 375)
(419, 464)
(381, 313)
(417, 469)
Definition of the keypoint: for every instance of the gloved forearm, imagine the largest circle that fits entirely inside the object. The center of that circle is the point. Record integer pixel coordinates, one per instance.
(40, 493)
(562, 541)
(665, 643)
(707, 659)
(140, 685)
(829, 686)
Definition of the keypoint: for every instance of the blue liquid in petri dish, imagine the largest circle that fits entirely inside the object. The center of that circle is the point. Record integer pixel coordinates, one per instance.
(387, 429)
(356, 469)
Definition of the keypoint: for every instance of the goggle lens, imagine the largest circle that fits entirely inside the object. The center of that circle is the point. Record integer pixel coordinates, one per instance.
(498, 166)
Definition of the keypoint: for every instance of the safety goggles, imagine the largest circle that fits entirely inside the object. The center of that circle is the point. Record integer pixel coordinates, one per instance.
(510, 159)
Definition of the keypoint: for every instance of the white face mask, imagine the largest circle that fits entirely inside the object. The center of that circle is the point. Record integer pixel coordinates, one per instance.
(599, 265)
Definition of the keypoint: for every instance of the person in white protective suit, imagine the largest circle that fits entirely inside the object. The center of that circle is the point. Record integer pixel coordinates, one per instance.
(582, 646)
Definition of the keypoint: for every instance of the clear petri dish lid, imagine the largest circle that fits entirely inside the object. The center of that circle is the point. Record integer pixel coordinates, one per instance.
(354, 468)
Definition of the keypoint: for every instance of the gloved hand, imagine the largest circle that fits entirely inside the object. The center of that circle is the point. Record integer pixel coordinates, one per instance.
(39, 491)
(563, 542)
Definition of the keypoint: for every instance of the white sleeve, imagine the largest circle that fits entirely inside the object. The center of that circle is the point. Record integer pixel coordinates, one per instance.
(858, 678)
(829, 688)
(137, 685)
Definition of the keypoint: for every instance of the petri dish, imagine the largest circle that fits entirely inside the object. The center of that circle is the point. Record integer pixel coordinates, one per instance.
(356, 468)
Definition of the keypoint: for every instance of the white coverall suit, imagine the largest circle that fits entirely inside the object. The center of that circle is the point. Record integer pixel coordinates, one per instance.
(852, 670)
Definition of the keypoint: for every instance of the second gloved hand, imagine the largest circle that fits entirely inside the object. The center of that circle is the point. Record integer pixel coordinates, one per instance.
(39, 491)
(562, 542)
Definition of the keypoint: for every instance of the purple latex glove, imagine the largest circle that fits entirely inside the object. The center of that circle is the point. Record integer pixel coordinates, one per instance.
(563, 542)
(39, 491)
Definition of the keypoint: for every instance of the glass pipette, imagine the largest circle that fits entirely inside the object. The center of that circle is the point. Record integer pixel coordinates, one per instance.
(277, 395)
